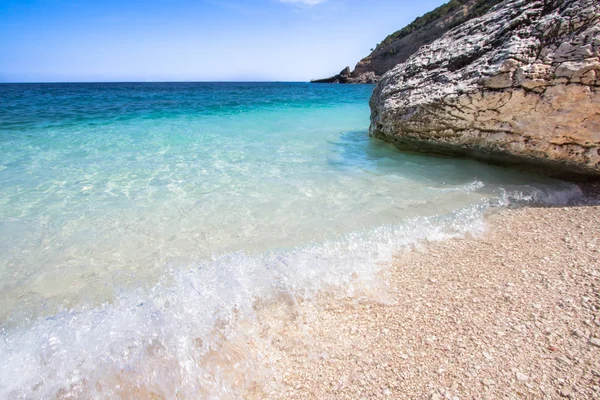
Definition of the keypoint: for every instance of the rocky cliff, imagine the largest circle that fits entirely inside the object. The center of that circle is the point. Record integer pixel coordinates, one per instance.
(397, 47)
(517, 85)
(345, 76)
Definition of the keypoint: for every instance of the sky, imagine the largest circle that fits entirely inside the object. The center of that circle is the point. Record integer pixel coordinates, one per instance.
(193, 40)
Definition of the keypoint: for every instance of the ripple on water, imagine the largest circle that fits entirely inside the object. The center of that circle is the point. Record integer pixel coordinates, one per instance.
(142, 225)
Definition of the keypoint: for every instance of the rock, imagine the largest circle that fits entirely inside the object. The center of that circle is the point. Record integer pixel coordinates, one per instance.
(488, 382)
(367, 77)
(521, 377)
(565, 392)
(578, 333)
(400, 45)
(563, 360)
(345, 76)
(519, 85)
(595, 342)
(342, 77)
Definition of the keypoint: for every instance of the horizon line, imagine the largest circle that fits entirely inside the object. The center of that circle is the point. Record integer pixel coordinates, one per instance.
(166, 81)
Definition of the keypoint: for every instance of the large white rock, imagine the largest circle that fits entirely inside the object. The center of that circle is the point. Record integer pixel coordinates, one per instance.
(518, 85)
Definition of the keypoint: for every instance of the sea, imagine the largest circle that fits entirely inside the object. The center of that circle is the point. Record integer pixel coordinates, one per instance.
(144, 226)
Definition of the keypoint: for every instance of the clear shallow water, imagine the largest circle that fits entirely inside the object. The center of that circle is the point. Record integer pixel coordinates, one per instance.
(136, 218)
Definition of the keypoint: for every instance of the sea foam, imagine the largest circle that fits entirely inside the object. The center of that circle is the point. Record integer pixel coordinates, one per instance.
(146, 228)
(190, 335)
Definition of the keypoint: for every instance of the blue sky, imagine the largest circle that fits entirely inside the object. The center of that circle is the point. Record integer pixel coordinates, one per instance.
(192, 40)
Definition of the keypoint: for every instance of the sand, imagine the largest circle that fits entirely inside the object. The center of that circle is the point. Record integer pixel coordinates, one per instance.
(514, 313)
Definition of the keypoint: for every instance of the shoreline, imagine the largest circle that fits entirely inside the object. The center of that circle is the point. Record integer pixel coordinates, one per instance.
(512, 313)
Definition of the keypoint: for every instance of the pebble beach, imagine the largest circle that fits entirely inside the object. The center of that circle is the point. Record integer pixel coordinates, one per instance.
(512, 313)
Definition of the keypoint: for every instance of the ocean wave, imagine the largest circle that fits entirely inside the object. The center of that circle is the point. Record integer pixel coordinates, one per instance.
(190, 335)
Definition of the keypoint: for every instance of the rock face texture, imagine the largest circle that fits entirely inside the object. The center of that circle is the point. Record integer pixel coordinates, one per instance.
(397, 47)
(520, 84)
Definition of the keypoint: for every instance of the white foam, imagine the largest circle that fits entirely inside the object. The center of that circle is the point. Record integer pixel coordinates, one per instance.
(468, 187)
(539, 195)
(79, 352)
(173, 340)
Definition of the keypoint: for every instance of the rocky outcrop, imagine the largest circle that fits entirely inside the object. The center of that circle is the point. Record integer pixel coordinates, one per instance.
(345, 76)
(397, 47)
(520, 84)
(342, 77)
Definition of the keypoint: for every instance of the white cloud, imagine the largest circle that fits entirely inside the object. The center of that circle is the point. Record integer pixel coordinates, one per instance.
(305, 2)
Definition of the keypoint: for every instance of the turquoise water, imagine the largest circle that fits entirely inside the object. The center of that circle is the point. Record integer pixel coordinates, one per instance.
(142, 216)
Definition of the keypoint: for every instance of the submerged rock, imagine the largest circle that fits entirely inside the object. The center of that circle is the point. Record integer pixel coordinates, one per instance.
(517, 85)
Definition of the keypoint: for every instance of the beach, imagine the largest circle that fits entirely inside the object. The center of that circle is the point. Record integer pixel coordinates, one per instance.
(510, 313)
(207, 240)
(177, 224)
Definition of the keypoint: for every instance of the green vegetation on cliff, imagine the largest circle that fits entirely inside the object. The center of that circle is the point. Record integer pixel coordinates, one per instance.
(400, 45)
(480, 8)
